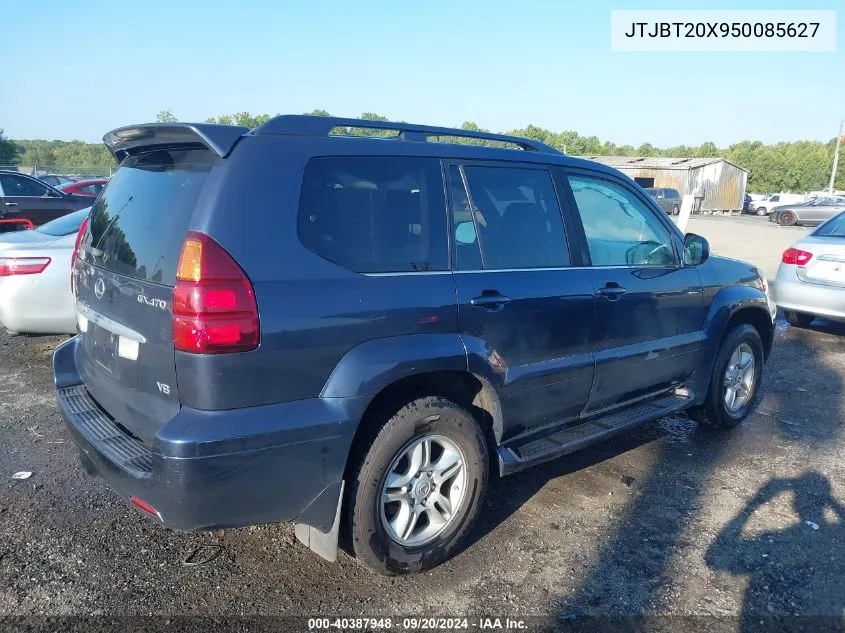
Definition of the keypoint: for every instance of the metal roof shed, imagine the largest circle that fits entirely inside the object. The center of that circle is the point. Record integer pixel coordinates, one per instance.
(723, 182)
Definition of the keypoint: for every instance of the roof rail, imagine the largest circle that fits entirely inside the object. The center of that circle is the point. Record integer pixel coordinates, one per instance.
(310, 125)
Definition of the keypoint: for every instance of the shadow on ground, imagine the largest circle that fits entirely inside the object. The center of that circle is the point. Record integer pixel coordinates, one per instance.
(786, 576)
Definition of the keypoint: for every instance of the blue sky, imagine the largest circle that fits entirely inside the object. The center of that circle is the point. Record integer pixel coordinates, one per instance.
(503, 64)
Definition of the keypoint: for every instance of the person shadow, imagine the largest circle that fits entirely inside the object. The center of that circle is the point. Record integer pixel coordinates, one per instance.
(804, 561)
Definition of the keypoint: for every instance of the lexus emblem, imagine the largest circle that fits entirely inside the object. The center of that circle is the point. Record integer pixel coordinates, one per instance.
(99, 288)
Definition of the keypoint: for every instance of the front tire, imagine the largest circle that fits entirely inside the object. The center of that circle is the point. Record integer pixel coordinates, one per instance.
(418, 487)
(761, 211)
(798, 319)
(735, 381)
(676, 210)
(789, 219)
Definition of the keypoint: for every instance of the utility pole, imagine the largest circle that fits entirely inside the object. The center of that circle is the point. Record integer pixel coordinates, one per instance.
(836, 157)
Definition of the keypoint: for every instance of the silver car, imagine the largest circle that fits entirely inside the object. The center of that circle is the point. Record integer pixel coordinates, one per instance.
(35, 295)
(811, 277)
(810, 213)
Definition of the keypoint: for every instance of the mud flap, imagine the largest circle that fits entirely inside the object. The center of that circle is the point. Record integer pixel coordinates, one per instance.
(324, 544)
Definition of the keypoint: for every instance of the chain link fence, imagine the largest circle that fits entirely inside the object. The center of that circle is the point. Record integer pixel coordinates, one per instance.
(72, 171)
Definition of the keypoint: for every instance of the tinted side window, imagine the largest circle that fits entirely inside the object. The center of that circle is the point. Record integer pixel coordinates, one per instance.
(517, 217)
(621, 230)
(20, 186)
(375, 213)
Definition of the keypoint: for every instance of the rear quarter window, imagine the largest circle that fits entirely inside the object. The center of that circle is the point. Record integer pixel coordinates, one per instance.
(375, 214)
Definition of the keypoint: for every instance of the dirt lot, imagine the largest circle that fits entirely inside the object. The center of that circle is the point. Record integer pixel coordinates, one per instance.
(668, 519)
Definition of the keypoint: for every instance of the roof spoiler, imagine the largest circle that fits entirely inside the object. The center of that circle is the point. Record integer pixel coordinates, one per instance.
(125, 141)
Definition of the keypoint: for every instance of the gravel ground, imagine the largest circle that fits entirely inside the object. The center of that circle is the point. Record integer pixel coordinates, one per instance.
(663, 520)
(668, 519)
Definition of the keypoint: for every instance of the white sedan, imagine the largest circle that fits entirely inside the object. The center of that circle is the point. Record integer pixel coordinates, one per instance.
(35, 294)
(811, 277)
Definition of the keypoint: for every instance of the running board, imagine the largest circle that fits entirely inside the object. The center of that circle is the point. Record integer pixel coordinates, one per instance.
(535, 450)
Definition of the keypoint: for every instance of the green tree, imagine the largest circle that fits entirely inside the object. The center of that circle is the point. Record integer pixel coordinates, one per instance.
(795, 166)
(166, 116)
(9, 151)
(244, 119)
(707, 150)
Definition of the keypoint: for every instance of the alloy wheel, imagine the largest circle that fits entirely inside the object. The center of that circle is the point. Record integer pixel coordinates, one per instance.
(739, 378)
(423, 490)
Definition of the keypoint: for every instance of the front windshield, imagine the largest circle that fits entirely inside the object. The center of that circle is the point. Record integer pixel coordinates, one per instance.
(64, 225)
(835, 227)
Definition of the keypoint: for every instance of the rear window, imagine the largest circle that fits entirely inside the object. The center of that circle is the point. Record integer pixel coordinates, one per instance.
(835, 227)
(139, 221)
(375, 214)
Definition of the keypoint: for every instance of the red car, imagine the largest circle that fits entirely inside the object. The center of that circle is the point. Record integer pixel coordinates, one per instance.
(90, 188)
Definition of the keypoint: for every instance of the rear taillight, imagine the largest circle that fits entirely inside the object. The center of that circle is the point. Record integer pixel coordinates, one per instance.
(214, 310)
(796, 256)
(22, 265)
(79, 235)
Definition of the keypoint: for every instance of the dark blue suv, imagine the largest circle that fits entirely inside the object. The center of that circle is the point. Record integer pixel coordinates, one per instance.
(351, 332)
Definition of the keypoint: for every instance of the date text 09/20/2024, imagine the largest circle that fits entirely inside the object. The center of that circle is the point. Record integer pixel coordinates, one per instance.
(417, 624)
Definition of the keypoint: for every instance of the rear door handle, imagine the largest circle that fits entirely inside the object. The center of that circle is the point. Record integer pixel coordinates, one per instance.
(11, 204)
(612, 291)
(489, 300)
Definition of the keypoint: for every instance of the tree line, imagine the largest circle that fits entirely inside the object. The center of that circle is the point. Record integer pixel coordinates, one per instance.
(797, 166)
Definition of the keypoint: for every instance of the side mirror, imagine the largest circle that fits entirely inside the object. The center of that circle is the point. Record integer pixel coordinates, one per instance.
(465, 233)
(696, 250)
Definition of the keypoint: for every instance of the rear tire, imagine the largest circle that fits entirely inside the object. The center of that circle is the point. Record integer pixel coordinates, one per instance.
(799, 319)
(377, 524)
(730, 370)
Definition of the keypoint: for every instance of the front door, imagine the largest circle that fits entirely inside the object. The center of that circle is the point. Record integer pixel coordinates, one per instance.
(32, 199)
(525, 313)
(650, 309)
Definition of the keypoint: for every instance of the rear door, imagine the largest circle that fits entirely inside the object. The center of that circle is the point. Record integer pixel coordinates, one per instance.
(650, 308)
(124, 282)
(524, 307)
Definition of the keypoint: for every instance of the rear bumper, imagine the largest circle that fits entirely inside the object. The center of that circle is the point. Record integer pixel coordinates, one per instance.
(211, 469)
(30, 303)
(793, 294)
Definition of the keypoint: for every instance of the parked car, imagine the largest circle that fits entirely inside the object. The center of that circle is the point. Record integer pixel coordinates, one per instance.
(811, 277)
(668, 199)
(358, 365)
(764, 206)
(90, 188)
(55, 180)
(35, 295)
(810, 213)
(26, 197)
